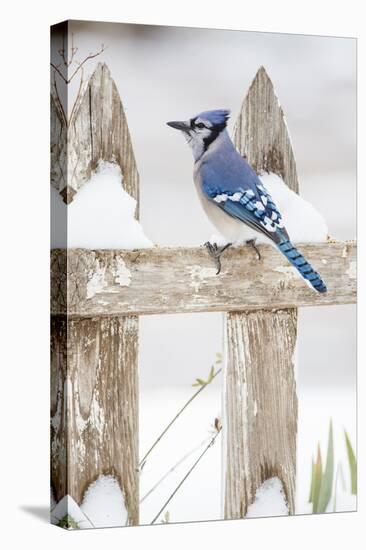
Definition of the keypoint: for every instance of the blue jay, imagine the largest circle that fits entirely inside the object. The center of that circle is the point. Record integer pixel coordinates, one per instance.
(232, 195)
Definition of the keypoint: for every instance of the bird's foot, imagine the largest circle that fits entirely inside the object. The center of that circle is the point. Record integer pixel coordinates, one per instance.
(215, 253)
(251, 242)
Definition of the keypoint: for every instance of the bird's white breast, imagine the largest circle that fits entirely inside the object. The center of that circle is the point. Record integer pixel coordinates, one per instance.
(233, 230)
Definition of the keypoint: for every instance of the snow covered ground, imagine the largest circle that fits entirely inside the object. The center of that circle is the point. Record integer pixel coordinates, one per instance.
(269, 500)
(103, 506)
(200, 496)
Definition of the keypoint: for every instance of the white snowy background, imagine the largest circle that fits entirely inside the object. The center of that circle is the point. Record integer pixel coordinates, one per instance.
(165, 74)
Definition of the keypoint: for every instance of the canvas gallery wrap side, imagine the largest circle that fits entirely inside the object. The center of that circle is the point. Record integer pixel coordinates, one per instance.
(203, 275)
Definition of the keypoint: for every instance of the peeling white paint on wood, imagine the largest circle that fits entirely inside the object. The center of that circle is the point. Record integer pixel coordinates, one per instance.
(96, 282)
(122, 275)
(199, 275)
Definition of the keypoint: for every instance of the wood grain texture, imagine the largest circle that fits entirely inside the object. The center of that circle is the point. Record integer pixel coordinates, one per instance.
(97, 130)
(261, 442)
(261, 406)
(180, 280)
(261, 134)
(94, 405)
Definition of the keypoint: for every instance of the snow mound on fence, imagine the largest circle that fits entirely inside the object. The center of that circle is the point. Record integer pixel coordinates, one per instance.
(269, 500)
(301, 219)
(101, 214)
(104, 504)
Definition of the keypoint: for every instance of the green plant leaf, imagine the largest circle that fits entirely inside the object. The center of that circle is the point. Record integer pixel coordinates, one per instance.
(199, 382)
(211, 375)
(325, 492)
(218, 357)
(312, 480)
(352, 464)
(338, 473)
(317, 479)
(68, 522)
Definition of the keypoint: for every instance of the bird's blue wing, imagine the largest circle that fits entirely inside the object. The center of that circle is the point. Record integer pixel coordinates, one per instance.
(247, 201)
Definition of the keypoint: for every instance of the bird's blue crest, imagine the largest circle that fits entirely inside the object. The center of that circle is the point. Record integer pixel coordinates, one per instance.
(217, 116)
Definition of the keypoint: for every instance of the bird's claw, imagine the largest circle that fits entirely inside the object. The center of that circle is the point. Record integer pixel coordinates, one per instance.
(251, 243)
(215, 253)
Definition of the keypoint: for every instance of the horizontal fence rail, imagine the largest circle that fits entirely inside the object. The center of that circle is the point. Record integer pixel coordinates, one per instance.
(182, 280)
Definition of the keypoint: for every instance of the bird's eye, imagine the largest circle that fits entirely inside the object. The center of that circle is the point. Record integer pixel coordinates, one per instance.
(200, 125)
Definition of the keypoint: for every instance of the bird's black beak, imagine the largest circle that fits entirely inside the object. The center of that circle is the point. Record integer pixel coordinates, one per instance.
(179, 125)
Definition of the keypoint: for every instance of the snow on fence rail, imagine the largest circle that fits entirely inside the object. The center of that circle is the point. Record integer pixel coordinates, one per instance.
(97, 296)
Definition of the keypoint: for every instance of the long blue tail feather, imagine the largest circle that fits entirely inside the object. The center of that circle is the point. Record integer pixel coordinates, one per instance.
(302, 266)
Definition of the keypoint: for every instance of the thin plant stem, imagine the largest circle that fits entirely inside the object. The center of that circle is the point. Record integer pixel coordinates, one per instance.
(171, 470)
(80, 65)
(186, 476)
(142, 461)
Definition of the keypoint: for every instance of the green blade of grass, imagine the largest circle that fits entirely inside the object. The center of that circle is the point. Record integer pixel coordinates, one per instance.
(317, 479)
(68, 522)
(327, 480)
(338, 474)
(352, 464)
(312, 480)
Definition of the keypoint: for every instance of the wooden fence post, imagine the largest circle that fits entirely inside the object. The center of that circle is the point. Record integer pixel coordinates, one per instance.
(94, 371)
(260, 388)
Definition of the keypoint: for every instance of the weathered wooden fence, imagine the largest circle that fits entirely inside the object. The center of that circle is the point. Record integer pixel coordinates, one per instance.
(261, 401)
(94, 397)
(94, 371)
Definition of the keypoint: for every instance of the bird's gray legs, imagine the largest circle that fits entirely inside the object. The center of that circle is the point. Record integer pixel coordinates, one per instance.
(215, 252)
(251, 242)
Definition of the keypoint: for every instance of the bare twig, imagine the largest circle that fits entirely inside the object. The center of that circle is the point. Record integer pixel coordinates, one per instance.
(186, 476)
(66, 62)
(74, 50)
(78, 95)
(80, 67)
(58, 100)
(203, 385)
(90, 56)
(55, 67)
(173, 468)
